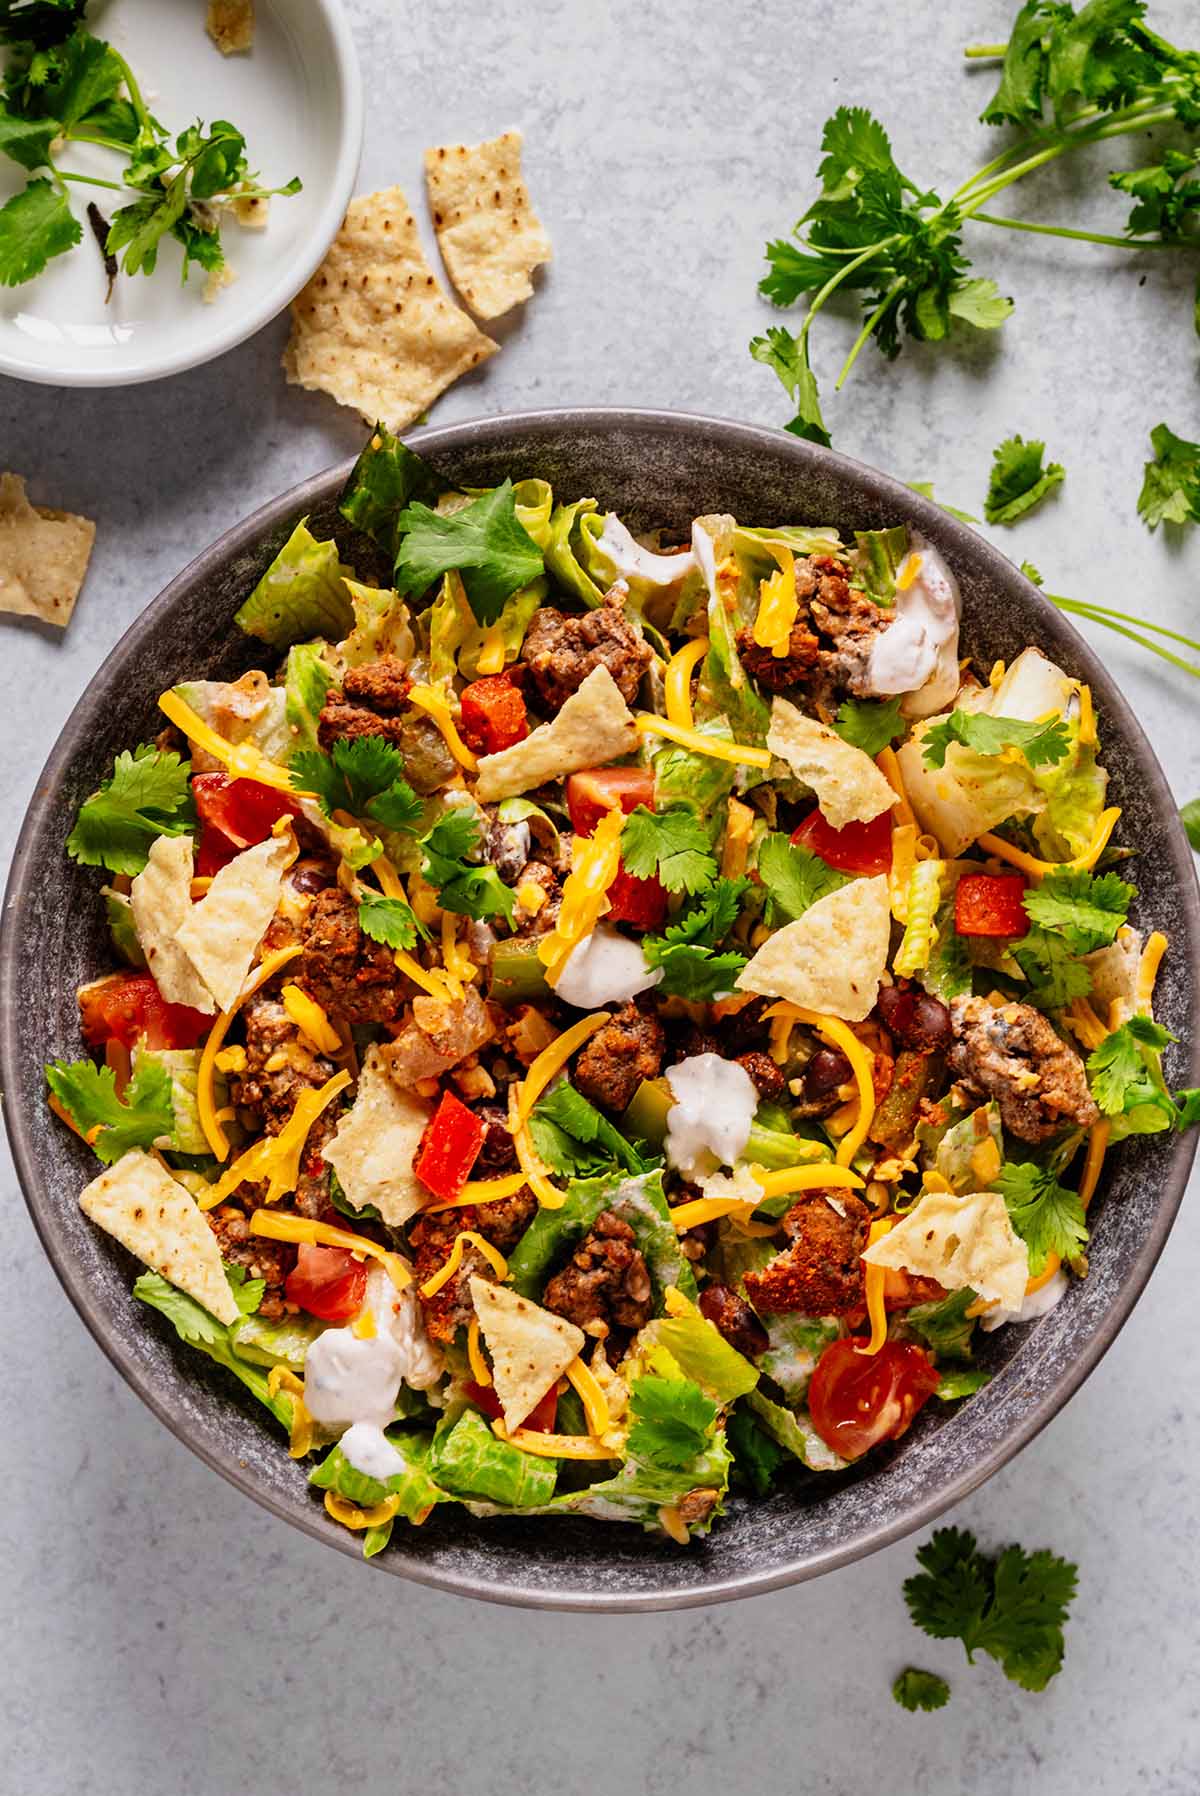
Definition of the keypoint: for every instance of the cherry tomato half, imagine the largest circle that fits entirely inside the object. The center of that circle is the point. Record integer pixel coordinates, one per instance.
(642, 902)
(990, 904)
(858, 848)
(541, 1420)
(858, 1399)
(327, 1282)
(591, 793)
(129, 1008)
(242, 810)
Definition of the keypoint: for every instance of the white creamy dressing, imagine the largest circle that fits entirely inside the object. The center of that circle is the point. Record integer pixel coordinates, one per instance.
(604, 968)
(708, 1125)
(918, 653)
(370, 1452)
(633, 562)
(353, 1384)
(1037, 1303)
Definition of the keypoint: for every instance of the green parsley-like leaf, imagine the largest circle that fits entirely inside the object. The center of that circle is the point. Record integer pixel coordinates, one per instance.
(576, 1118)
(484, 541)
(915, 1690)
(1118, 1072)
(1086, 909)
(673, 1419)
(1171, 482)
(1042, 744)
(1012, 1606)
(788, 356)
(685, 952)
(463, 886)
(1055, 976)
(673, 844)
(961, 1381)
(1189, 816)
(146, 796)
(137, 1119)
(1019, 480)
(40, 22)
(794, 877)
(364, 776)
(1047, 1216)
(247, 1292)
(35, 225)
(870, 724)
(389, 920)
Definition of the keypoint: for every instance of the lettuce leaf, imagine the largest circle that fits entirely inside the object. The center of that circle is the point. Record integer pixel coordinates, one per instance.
(382, 626)
(796, 1433)
(638, 1200)
(282, 1343)
(704, 1355)
(182, 1069)
(797, 1343)
(194, 1326)
(414, 1486)
(562, 562)
(387, 476)
(307, 680)
(468, 1460)
(302, 594)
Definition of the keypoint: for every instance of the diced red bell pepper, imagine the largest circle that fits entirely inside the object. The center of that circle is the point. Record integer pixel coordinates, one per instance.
(541, 1420)
(990, 904)
(493, 714)
(244, 811)
(597, 790)
(858, 848)
(449, 1148)
(129, 1008)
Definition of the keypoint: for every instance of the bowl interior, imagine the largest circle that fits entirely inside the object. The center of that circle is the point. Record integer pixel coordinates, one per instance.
(657, 470)
(296, 97)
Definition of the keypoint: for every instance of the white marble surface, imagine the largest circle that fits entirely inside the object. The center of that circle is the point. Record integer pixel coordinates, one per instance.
(159, 1631)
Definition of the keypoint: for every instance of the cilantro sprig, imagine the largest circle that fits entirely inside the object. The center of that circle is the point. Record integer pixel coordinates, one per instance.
(88, 1093)
(687, 954)
(672, 1421)
(146, 796)
(870, 724)
(1012, 1605)
(485, 542)
(915, 1690)
(1048, 1216)
(463, 885)
(1171, 480)
(794, 878)
(1126, 1078)
(1086, 909)
(1020, 480)
(1041, 744)
(389, 920)
(673, 844)
(364, 776)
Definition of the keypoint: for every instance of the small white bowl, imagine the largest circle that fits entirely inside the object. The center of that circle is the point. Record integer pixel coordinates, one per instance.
(297, 96)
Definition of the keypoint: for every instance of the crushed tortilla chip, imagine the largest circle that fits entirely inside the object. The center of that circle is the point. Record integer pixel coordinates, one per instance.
(146, 1210)
(594, 726)
(373, 328)
(43, 555)
(963, 1242)
(832, 958)
(221, 933)
(230, 24)
(848, 785)
(490, 237)
(161, 901)
(376, 1142)
(530, 1347)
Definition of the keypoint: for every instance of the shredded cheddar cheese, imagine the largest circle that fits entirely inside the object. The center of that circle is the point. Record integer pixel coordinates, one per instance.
(206, 1103)
(481, 1372)
(713, 746)
(839, 1035)
(276, 1158)
(536, 1173)
(709, 1209)
(874, 1279)
(483, 1191)
(437, 706)
(491, 655)
(1036, 869)
(889, 766)
(739, 827)
(1147, 973)
(595, 1403)
(1097, 1147)
(552, 1060)
(554, 1446)
(285, 1227)
(1052, 1265)
(778, 605)
(457, 962)
(1087, 718)
(431, 980)
(595, 863)
(300, 1434)
(311, 1020)
(446, 1271)
(806, 1178)
(352, 1516)
(363, 1327)
(677, 682)
(242, 759)
(904, 859)
(985, 1162)
(909, 570)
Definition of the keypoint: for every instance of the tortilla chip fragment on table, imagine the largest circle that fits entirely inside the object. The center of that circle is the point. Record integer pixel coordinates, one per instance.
(373, 327)
(230, 24)
(43, 555)
(490, 237)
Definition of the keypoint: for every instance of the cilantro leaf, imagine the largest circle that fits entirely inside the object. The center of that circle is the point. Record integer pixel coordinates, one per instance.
(944, 1326)
(364, 776)
(1189, 816)
(580, 1122)
(1171, 482)
(1055, 976)
(1047, 1216)
(788, 356)
(389, 920)
(146, 796)
(484, 541)
(247, 1291)
(915, 1690)
(794, 877)
(464, 887)
(40, 22)
(673, 844)
(1012, 1606)
(1042, 744)
(1019, 480)
(35, 225)
(685, 953)
(757, 1456)
(1118, 1070)
(870, 724)
(708, 919)
(673, 1420)
(136, 1119)
(1086, 909)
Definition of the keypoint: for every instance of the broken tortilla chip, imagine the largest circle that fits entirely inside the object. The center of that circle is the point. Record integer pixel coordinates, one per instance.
(221, 933)
(848, 785)
(43, 555)
(832, 958)
(376, 1143)
(963, 1242)
(373, 328)
(530, 1347)
(595, 725)
(146, 1210)
(161, 901)
(490, 237)
(230, 24)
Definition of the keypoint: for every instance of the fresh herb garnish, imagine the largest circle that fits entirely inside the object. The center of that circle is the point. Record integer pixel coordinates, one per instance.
(870, 724)
(788, 356)
(673, 1418)
(389, 920)
(1047, 1216)
(88, 1093)
(794, 878)
(386, 478)
(580, 1127)
(673, 844)
(1011, 1606)
(1086, 909)
(1125, 1072)
(1171, 481)
(146, 796)
(686, 953)
(1056, 976)
(1019, 480)
(915, 1690)
(1041, 744)
(485, 542)
(363, 776)
(462, 885)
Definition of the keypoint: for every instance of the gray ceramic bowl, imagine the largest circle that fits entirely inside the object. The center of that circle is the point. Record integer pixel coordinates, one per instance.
(655, 469)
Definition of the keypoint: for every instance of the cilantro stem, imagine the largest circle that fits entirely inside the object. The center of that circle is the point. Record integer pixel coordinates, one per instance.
(135, 92)
(835, 280)
(93, 181)
(1095, 616)
(1044, 230)
(897, 286)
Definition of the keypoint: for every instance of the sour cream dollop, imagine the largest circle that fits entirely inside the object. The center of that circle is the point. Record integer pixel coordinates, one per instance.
(349, 1380)
(1037, 1303)
(604, 968)
(708, 1125)
(370, 1452)
(632, 562)
(918, 653)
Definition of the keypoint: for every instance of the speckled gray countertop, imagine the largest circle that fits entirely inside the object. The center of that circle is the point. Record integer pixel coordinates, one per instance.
(159, 1631)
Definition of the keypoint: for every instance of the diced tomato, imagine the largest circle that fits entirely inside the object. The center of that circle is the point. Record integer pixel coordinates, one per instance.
(449, 1148)
(642, 902)
(858, 1399)
(213, 851)
(243, 811)
(327, 1282)
(540, 1420)
(493, 714)
(990, 904)
(858, 848)
(129, 1008)
(599, 789)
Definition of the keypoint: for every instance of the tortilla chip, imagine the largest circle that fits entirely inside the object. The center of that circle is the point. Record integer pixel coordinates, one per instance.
(43, 556)
(146, 1210)
(530, 1347)
(373, 328)
(594, 726)
(161, 900)
(224, 929)
(490, 237)
(230, 24)
(832, 958)
(848, 785)
(373, 1150)
(964, 1242)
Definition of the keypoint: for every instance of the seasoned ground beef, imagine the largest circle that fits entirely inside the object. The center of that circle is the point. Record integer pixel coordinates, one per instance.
(560, 651)
(432, 1240)
(372, 701)
(821, 1273)
(768, 1078)
(384, 685)
(343, 722)
(831, 641)
(347, 973)
(279, 1063)
(778, 672)
(605, 1283)
(628, 1049)
(268, 1260)
(1011, 1053)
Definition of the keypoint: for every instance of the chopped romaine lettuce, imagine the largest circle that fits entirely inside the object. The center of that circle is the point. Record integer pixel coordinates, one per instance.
(639, 1201)
(382, 626)
(704, 1355)
(796, 1345)
(182, 1067)
(245, 710)
(470, 1461)
(199, 1329)
(796, 1433)
(302, 594)
(562, 560)
(387, 476)
(307, 679)
(118, 912)
(281, 1343)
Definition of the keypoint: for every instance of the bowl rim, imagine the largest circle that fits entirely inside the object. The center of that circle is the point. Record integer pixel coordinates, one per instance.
(504, 430)
(293, 274)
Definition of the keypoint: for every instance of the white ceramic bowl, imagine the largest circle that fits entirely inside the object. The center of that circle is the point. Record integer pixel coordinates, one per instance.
(297, 96)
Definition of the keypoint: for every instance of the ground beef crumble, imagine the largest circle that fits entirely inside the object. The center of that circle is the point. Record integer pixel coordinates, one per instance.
(605, 1284)
(1010, 1052)
(626, 1050)
(821, 1273)
(560, 651)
